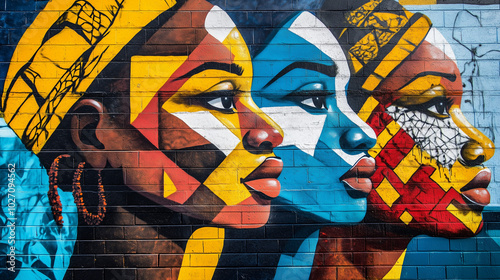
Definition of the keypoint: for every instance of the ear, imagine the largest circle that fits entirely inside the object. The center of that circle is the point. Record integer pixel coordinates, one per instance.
(88, 116)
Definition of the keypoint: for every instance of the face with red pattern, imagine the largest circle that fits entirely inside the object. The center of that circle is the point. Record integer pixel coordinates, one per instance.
(429, 175)
(196, 137)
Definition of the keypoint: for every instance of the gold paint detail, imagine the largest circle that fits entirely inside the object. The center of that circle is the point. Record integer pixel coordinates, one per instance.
(367, 109)
(387, 192)
(395, 272)
(203, 251)
(168, 186)
(406, 217)
(147, 75)
(471, 219)
(409, 165)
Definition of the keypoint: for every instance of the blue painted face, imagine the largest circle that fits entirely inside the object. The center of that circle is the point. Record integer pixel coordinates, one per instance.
(300, 79)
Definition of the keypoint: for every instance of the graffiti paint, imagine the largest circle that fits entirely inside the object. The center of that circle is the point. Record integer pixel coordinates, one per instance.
(202, 139)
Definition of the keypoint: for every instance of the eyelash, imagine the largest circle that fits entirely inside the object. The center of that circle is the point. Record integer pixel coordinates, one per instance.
(225, 96)
(441, 104)
(310, 99)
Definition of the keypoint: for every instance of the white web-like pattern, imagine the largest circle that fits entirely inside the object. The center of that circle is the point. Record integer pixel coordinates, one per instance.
(441, 138)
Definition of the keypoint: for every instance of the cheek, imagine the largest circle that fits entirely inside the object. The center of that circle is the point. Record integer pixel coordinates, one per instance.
(174, 134)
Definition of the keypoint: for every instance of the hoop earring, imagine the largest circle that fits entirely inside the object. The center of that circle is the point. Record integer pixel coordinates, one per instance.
(90, 219)
(53, 194)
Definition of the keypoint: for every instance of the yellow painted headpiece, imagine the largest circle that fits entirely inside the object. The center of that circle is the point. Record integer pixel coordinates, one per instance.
(377, 36)
(59, 56)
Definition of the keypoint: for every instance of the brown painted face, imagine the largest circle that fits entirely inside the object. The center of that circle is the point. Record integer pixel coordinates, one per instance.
(201, 141)
(429, 157)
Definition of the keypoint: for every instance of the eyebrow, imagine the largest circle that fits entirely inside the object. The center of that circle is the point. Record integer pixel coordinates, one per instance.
(329, 70)
(450, 77)
(231, 68)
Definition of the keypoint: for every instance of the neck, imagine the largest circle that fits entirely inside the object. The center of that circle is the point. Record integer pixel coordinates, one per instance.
(363, 251)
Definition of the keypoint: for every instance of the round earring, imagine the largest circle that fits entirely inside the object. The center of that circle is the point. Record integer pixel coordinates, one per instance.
(90, 219)
(53, 194)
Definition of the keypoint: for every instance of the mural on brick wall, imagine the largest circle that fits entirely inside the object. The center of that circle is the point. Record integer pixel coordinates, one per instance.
(245, 140)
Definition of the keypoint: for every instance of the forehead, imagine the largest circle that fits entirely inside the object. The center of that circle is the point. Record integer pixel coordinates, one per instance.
(302, 38)
(426, 67)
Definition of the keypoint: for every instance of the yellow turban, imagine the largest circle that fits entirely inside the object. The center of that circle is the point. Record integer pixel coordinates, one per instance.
(60, 55)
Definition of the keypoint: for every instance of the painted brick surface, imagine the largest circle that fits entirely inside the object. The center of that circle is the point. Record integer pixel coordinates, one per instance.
(265, 139)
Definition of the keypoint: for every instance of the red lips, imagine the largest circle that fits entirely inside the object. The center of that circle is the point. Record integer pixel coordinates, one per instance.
(264, 178)
(358, 177)
(476, 191)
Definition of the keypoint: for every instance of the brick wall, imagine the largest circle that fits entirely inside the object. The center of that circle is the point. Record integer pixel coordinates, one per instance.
(215, 139)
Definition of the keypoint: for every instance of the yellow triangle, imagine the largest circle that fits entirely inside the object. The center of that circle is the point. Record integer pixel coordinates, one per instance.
(147, 75)
(168, 186)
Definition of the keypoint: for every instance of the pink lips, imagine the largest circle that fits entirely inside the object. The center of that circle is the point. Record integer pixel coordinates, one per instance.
(476, 190)
(358, 177)
(264, 178)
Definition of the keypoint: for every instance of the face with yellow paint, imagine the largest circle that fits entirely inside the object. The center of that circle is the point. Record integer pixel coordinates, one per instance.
(202, 142)
(429, 175)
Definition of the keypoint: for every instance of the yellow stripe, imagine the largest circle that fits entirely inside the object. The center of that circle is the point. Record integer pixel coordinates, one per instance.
(384, 137)
(368, 108)
(471, 219)
(202, 254)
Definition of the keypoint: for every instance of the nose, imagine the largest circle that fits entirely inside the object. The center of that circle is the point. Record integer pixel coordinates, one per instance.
(473, 153)
(354, 141)
(260, 133)
(262, 140)
(479, 148)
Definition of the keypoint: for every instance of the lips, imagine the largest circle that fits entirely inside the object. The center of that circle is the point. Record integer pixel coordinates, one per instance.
(475, 191)
(357, 179)
(264, 178)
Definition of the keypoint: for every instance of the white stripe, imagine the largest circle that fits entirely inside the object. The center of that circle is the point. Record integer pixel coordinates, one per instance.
(301, 129)
(210, 128)
(218, 23)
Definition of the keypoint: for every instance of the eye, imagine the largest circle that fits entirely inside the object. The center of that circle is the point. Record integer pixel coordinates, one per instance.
(222, 103)
(438, 107)
(220, 100)
(317, 102)
(312, 95)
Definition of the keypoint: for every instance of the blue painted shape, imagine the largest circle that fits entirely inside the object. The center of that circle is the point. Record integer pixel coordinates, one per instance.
(461, 272)
(431, 272)
(445, 258)
(477, 258)
(463, 245)
(298, 265)
(42, 248)
(409, 272)
(488, 272)
(430, 244)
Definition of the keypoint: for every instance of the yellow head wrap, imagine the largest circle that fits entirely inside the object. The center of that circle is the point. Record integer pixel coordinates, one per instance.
(59, 56)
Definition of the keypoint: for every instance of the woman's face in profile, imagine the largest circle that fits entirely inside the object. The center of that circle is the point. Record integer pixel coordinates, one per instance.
(201, 142)
(429, 157)
(299, 80)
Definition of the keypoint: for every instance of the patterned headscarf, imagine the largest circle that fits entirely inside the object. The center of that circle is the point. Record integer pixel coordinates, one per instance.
(377, 35)
(46, 77)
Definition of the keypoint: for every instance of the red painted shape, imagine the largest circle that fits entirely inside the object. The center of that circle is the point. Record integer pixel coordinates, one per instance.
(147, 122)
